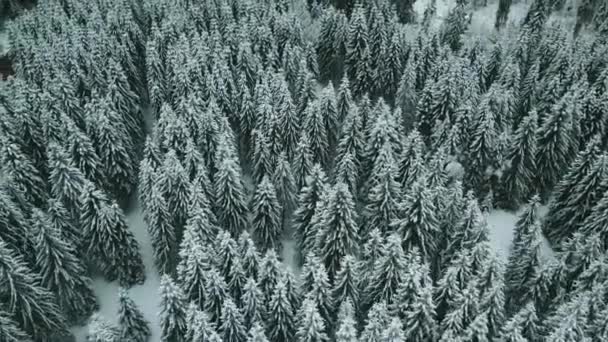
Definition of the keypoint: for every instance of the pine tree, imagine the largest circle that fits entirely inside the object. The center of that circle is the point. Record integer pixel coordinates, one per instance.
(249, 254)
(344, 102)
(173, 311)
(417, 224)
(454, 26)
(346, 329)
(310, 325)
(420, 322)
(284, 183)
(315, 284)
(230, 203)
(482, 150)
(266, 222)
(252, 303)
(61, 271)
(309, 202)
(315, 128)
(347, 286)
(387, 274)
(99, 330)
(133, 326)
(112, 246)
(280, 323)
(232, 327)
(161, 230)
(31, 306)
(263, 159)
(339, 232)
(518, 178)
(269, 273)
(454, 280)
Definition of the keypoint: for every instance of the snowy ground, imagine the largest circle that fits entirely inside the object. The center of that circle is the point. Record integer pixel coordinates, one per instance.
(146, 296)
(501, 225)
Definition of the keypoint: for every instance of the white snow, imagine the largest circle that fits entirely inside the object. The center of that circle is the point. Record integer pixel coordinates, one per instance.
(145, 296)
(501, 225)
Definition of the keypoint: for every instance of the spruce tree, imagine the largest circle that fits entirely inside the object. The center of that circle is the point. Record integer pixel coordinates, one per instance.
(376, 322)
(252, 303)
(518, 178)
(418, 224)
(66, 180)
(198, 326)
(310, 325)
(309, 202)
(339, 233)
(303, 161)
(387, 274)
(100, 330)
(316, 285)
(420, 321)
(20, 169)
(230, 203)
(256, 334)
(266, 222)
(112, 246)
(175, 186)
(249, 254)
(315, 127)
(394, 332)
(285, 186)
(347, 285)
(61, 271)
(216, 293)
(347, 326)
(133, 326)
(161, 230)
(280, 323)
(31, 306)
(173, 311)
(344, 102)
(232, 327)
(269, 273)
(482, 150)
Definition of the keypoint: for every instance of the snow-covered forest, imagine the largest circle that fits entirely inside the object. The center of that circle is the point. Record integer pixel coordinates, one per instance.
(304, 170)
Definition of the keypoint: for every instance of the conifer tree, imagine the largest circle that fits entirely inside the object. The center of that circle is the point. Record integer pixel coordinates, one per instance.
(285, 186)
(418, 224)
(344, 102)
(115, 150)
(249, 254)
(263, 159)
(66, 181)
(502, 13)
(387, 274)
(216, 293)
(64, 225)
(518, 178)
(10, 331)
(316, 285)
(310, 325)
(269, 273)
(315, 128)
(100, 330)
(252, 303)
(347, 325)
(394, 332)
(133, 325)
(482, 150)
(454, 26)
(20, 169)
(280, 323)
(61, 271)
(161, 230)
(303, 161)
(266, 222)
(420, 321)
(347, 286)
(556, 142)
(376, 323)
(358, 57)
(339, 233)
(232, 327)
(106, 235)
(198, 326)
(230, 203)
(175, 185)
(585, 196)
(173, 311)
(256, 334)
(309, 202)
(382, 202)
(31, 306)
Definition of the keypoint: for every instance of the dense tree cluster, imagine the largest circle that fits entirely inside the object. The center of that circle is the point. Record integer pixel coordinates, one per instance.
(237, 129)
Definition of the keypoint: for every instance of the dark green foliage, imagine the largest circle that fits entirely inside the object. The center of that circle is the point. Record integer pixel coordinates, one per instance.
(230, 203)
(61, 271)
(133, 325)
(266, 222)
(161, 230)
(173, 311)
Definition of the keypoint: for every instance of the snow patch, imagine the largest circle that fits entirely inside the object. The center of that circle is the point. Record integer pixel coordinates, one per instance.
(145, 296)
